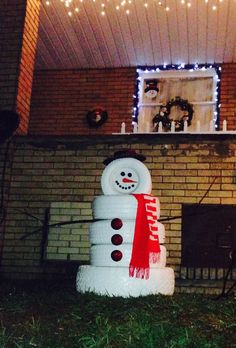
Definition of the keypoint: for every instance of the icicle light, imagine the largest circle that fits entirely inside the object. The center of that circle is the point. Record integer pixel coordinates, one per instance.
(126, 6)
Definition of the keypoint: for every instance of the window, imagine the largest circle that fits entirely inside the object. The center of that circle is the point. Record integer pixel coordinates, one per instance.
(198, 87)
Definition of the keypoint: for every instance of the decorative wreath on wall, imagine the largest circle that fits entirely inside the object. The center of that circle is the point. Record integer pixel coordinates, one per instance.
(96, 117)
(165, 113)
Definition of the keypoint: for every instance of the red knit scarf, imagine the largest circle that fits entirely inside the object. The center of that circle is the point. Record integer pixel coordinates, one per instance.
(146, 247)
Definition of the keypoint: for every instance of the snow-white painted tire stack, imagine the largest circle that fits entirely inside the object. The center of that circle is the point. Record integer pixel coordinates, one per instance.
(101, 232)
(111, 183)
(113, 206)
(112, 237)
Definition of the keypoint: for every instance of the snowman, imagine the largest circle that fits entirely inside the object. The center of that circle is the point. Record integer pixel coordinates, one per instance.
(127, 254)
(151, 89)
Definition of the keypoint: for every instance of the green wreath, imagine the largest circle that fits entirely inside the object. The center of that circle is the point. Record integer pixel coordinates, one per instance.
(165, 111)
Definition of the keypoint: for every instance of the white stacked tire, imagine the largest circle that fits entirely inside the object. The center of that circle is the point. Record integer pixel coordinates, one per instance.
(138, 170)
(111, 240)
(117, 206)
(101, 232)
(111, 281)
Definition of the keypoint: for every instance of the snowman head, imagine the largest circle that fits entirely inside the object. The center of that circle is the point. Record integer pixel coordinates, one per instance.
(151, 93)
(151, 89)
(125, 176)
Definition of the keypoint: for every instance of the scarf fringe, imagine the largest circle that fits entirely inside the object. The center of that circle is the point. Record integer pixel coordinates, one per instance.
(139, 272)
(154, 257)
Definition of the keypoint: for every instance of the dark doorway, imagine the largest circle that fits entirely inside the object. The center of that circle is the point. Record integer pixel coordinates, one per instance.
(208, 234)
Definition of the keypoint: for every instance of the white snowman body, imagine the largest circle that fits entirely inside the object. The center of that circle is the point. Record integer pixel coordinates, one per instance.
(112, 236)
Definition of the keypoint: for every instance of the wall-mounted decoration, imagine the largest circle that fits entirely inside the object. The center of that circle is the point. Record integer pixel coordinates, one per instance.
(166, 116)
(96, 117)
(198, 84)
(151, 89)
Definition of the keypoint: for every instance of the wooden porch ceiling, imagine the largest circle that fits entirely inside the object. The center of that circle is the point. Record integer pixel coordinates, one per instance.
(146, 36)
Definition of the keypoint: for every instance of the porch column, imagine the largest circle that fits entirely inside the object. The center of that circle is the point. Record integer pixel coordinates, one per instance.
(19, 22)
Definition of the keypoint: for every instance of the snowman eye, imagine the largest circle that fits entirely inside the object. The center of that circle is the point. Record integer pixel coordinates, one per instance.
(129, 175)
(122, 173)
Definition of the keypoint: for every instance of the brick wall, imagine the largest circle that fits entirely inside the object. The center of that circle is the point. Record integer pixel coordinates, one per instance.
(228, 95)
(68, 180)
(18, 36)
(6, 156)
(69, 242)
(11, 25)
(61, 100)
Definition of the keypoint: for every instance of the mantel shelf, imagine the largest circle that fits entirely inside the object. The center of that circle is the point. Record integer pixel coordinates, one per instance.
(83, 141)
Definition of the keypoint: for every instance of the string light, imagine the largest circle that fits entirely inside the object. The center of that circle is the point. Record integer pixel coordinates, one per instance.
(127, 5)
(186, 67)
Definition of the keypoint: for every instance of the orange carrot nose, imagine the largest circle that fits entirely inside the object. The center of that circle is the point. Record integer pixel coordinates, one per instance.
(125, 180)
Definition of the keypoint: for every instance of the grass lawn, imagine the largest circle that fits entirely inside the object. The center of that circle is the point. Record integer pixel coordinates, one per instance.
(42, 315)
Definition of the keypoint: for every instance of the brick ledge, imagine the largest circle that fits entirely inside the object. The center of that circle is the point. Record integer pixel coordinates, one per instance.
(73, 141)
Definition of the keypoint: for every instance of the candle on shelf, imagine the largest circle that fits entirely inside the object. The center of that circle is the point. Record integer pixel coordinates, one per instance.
(135, 128)
(185, 126)
(147, 127)
(172, 129)
(224, 126)
(160, 127)
(198, 127)
(212, 126)
(122, 128)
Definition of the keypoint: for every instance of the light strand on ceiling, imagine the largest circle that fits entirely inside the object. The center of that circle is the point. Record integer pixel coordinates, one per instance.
(125, 6)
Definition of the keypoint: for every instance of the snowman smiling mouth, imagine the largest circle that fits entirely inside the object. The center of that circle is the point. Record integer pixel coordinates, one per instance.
(126, 183)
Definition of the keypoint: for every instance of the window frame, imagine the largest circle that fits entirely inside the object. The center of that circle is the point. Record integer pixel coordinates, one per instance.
(143, 74)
